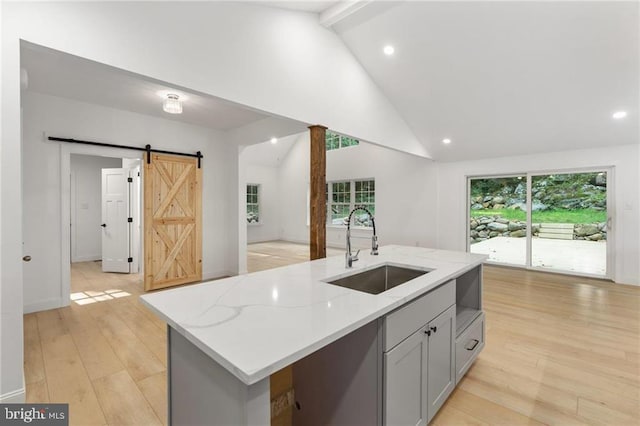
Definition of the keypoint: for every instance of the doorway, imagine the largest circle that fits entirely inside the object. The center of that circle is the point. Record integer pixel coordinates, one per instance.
(87, 208)
(104, 212)
(555, 221)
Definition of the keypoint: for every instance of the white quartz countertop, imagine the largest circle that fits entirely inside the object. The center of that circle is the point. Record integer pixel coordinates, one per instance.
(258, 323)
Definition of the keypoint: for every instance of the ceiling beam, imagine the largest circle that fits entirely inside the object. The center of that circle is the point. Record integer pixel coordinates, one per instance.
(340, 11)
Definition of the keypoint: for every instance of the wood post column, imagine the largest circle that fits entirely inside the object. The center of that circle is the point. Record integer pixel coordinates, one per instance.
(317, 203)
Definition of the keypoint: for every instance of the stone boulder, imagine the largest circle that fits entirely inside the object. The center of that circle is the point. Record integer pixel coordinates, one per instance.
(586, 229)
(538, 206)
(515, 226)
(500, 227)
(518, 234)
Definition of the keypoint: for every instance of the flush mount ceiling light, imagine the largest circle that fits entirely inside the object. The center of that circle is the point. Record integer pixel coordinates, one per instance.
(388, 50)
(172, 104)
(274, 140)
(446, 141)
(618, 115)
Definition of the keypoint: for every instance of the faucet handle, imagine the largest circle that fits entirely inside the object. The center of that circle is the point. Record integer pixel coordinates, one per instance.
(350, 258)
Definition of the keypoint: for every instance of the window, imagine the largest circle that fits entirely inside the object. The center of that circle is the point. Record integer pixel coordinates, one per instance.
(336, 141)
(253, 206)
(344, 196)
(340, 202)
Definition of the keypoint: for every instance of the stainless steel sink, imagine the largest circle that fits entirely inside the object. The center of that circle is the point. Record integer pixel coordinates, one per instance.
(377, 280)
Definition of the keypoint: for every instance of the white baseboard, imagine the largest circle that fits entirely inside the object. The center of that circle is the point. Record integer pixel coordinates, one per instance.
(296, 241)
(262, 239)
(44, 305)
(17, 396)
(628, 281)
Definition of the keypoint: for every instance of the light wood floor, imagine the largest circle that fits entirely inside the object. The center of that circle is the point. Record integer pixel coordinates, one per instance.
(560, 350)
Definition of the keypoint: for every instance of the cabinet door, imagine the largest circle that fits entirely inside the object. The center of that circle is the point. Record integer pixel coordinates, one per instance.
(441, 362)
(405, 388)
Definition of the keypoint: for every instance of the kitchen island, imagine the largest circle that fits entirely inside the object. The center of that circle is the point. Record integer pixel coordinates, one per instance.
(226, 337)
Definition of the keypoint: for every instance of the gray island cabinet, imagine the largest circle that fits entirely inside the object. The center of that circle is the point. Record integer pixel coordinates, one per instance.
(358, 359)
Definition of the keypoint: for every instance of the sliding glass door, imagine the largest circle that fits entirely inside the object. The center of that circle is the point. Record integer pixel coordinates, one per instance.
(569, 222)
(498, 218)
(553, 221)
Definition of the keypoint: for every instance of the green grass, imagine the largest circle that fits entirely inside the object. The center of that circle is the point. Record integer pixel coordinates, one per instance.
(547, 216)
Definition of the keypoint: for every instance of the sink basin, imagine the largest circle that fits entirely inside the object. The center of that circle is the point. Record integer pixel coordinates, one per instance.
(377, 280)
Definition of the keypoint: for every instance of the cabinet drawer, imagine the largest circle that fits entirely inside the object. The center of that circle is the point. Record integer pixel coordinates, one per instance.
(468, 346)
(401, 323)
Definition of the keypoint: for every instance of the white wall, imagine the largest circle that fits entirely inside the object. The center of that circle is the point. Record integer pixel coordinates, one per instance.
(452, 202)
(42, 182)
(86, 205)
(293, 181)
(11, 332)
(268, 199)
(405, 193)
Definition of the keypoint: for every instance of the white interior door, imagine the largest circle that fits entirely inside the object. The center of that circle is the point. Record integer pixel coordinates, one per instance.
(115, 224)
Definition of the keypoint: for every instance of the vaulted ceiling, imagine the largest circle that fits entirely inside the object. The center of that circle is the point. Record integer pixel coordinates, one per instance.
(504, 78)
(497, 78)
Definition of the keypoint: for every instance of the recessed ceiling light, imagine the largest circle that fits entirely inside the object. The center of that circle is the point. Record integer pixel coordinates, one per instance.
(389, 50)
(446, 141)
(619, 115)
(274, 140)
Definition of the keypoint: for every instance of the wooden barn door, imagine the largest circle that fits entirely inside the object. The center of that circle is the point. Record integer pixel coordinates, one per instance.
(172, 221)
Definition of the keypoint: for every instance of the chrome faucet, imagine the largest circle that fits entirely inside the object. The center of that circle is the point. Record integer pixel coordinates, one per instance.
(350, 258)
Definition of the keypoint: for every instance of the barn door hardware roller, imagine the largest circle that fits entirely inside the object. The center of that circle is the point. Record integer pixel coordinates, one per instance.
(147, 148)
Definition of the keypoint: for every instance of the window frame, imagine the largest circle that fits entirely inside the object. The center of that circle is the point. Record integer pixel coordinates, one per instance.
(342, 141)
(256, 204)
(352, 200)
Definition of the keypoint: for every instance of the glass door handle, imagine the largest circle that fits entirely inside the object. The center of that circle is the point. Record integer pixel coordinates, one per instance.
(609, 220)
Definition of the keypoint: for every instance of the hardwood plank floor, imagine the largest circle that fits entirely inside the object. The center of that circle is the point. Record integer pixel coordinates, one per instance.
(560, 350)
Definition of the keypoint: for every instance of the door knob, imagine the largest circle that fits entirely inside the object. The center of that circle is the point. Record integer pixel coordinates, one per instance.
(26, 258)
(104, 225)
